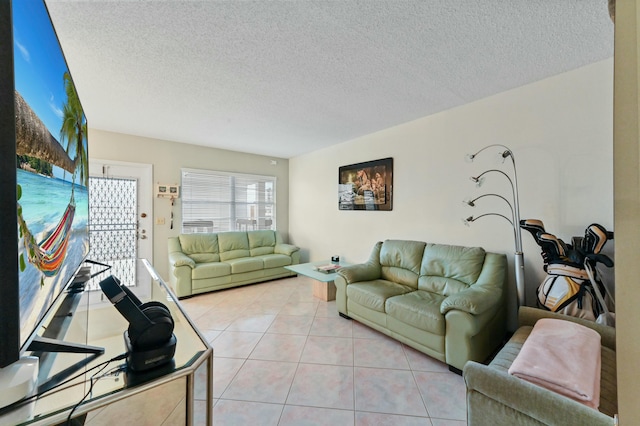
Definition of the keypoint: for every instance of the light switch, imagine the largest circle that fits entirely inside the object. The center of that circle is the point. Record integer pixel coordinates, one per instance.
(159, 220)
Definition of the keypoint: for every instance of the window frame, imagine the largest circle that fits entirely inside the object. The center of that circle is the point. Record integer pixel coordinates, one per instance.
(248, 214)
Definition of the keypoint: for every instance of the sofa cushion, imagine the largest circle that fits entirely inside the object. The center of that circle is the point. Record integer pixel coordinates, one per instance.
(245, 264)
(373, 294)
(401, 260)
(419, 309)
(261, 242)
(275, 260)
(259, 251)
(205, 257)
(233, 245)
(198, 243)
(447, 269)
(210, 270)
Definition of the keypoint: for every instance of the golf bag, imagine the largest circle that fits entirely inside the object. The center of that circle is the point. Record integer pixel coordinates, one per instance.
(572, 286)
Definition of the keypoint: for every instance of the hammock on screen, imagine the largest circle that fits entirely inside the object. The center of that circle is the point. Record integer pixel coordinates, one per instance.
(48, 254)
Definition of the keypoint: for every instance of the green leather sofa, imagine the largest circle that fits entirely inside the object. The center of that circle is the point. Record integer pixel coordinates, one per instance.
(446, 301)
(205, 262)
(494, 397)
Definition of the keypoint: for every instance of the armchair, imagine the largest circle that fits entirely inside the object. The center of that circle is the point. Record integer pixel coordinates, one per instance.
(494, 397)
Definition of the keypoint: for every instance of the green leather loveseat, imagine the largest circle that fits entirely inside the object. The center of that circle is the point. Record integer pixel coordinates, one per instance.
(205, 262)
(446, 301)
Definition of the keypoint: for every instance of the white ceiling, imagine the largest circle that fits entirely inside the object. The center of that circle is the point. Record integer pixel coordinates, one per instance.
(283, 78)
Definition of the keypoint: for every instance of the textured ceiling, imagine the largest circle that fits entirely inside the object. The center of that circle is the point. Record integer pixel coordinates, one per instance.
(283, 78)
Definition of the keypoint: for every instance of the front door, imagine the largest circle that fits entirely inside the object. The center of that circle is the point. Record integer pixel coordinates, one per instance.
(120, 220)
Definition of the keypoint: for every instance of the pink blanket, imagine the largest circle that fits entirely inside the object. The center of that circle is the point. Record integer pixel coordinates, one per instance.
(564, 357)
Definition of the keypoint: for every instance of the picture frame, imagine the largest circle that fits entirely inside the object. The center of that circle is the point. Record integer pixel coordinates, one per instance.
(167, 191)
(366, 186)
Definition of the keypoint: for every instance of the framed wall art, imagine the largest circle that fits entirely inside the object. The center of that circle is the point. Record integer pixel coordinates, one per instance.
(366, 186)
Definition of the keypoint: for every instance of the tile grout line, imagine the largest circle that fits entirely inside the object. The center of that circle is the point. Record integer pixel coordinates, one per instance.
(321, 314)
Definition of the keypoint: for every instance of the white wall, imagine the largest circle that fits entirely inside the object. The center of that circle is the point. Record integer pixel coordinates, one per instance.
(168, 158)
(560, 130)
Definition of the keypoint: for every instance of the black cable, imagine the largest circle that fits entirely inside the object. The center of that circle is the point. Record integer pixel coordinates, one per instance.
(92, 381)
(57, 387)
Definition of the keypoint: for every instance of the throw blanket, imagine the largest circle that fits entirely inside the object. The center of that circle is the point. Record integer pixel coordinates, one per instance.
(564, 357)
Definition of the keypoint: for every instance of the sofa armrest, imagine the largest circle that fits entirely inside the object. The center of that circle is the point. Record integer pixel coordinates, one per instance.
(181, 266)
(360, 272)
(371, 270)
(178, 258)
(496, 397)
(529, 316)
(472, 300)
(486, 293)
(352, 274)
(287, 249)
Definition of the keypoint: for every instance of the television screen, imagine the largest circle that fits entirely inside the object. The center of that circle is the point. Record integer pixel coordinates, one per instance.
(51, 166)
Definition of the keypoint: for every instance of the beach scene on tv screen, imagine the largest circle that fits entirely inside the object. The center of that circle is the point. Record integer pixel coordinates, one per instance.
(52, 165)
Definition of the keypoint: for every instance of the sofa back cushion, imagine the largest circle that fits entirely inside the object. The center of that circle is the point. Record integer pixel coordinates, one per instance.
(200, 247)
(261, 242)
(233, 245)
(400, 261)
(449, 269)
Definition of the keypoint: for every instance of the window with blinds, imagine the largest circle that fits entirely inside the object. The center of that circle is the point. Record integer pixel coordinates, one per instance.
(219, 201)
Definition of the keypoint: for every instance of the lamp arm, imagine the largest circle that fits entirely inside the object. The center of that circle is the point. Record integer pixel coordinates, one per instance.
(516, 202)
(492, 214)
(490, 146)
(498, 171)
(513, 226)
(471, 203)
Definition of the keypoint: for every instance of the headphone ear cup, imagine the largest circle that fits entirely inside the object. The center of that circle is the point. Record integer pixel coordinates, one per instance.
(156, 304)
(158, 333)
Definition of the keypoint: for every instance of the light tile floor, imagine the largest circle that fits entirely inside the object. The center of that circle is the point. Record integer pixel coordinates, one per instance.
(284, 357)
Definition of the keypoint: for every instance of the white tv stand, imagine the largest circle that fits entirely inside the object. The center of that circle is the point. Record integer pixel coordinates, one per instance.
(123, 395)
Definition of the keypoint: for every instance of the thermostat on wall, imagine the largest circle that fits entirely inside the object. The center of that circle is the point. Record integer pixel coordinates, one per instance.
(167, 191)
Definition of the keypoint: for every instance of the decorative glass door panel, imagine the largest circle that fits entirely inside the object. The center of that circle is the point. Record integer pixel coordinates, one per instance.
(113, 225)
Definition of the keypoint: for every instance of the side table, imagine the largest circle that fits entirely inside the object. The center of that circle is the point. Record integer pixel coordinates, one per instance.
(323, 286)
(171, 387)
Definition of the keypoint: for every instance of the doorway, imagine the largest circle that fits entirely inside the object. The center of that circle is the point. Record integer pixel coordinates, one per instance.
(120, 220)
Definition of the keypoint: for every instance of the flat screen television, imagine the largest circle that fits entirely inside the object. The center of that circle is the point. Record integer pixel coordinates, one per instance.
(44, 213)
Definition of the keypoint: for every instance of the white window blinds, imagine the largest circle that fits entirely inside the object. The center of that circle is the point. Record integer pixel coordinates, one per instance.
(219, 201)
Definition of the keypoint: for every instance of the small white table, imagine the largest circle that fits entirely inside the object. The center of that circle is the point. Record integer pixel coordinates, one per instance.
(323, 287)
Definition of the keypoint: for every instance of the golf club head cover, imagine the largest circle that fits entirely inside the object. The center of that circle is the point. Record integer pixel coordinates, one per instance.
(534, 226)
(552, 247)
(595, 237)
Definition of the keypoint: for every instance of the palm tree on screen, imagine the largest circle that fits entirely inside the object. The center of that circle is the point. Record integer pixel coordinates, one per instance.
(74, 130)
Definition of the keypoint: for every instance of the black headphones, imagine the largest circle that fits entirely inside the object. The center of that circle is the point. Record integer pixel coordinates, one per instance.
(150, 323)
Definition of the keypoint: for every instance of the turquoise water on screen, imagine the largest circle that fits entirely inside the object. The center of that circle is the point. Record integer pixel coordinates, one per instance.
(44, 200)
